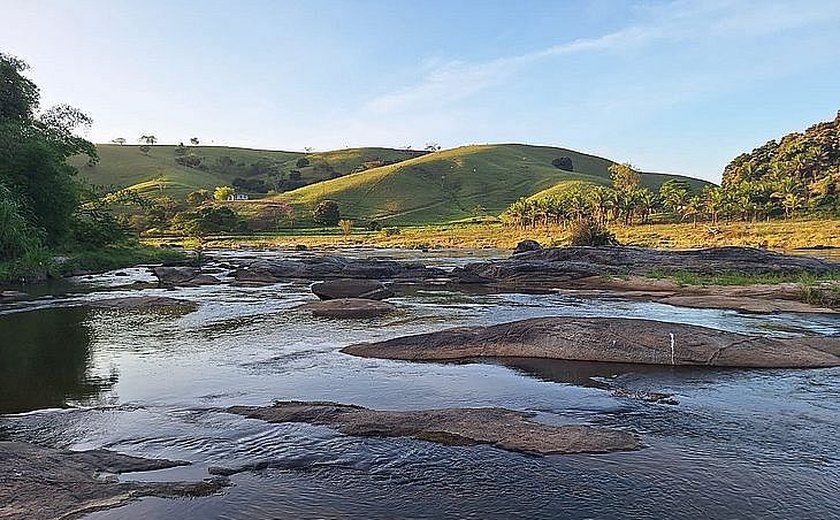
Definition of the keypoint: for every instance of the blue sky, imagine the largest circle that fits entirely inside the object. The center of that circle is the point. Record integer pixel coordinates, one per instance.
(680, 86)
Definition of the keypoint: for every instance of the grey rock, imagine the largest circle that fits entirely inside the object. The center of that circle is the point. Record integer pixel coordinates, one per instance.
(45, 483)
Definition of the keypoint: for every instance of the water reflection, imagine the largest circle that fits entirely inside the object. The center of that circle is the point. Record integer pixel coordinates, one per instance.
(45, 360)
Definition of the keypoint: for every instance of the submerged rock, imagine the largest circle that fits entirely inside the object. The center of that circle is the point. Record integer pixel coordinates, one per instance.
(617, 340)
(506, 429)
(13, 296)
(183, 276)
(45, 483)
(351, 288)
(140, 302)
(348, 308)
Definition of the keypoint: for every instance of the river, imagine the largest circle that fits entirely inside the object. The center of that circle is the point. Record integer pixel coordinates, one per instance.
(743, 444)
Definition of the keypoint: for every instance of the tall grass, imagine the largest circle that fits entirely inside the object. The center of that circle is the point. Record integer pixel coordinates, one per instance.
(18, 237)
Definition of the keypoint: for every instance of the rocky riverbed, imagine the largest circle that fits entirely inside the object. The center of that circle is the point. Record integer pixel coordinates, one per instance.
(149, 364)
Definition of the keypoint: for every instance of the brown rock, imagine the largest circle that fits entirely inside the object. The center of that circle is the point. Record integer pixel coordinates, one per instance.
(351, 288)
(506, 429)
(617, 340)
(348, 308)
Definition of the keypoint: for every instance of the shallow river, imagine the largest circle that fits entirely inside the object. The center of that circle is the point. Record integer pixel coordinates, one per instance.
(740, 444)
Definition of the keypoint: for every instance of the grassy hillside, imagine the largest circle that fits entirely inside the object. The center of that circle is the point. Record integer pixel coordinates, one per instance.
(126, 166)
(450, 184)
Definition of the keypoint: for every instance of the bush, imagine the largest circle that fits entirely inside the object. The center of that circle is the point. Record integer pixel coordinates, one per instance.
(206, 220)
(373, 225)
(391, 231)
(303, 162)
(588, 232)
(326, 213)
(563, 163)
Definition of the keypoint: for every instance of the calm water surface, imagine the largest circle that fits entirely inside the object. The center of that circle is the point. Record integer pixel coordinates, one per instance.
(740, 443)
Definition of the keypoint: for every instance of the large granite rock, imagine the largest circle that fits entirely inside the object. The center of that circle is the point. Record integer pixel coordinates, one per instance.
(565, 265)
(353, 308)
(617, 340)
(351, 288)
(506, 429)
(45, 483)
(332, 267)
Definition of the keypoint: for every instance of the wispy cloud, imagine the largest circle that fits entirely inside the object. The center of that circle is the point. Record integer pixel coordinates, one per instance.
(446, 84)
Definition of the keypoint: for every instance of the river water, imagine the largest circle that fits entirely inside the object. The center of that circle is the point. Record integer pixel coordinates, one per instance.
(740, 444)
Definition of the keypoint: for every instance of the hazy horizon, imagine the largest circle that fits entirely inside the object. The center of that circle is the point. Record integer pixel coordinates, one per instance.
(670, 86)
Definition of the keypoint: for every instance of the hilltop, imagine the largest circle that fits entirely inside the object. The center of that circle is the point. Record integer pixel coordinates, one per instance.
(205, 167)
(461, 182)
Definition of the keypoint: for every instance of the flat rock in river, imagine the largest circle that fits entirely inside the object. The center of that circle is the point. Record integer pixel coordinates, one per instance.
(183, 276)
(140, 302)
(45, 483)
(560, 266)
(351, 288)
(617, 340)
(506, 429)
(348, 308)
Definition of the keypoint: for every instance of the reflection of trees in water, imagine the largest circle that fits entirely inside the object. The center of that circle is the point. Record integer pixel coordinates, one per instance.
(44, 360)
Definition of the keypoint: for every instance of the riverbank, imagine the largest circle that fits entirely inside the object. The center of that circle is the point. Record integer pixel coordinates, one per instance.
(777, 234)
(46, 264)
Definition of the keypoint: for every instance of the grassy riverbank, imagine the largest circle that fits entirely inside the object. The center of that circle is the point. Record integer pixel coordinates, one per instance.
(44, 263)
(787, 234)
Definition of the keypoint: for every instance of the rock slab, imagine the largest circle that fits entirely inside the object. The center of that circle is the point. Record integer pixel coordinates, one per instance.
(45, 483)
(354, 308)
(505, 429)
(617, 340)
(560, 266)
(351, 288)
(183, 277)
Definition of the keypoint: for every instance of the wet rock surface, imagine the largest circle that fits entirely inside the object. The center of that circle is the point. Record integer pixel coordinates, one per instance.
(183, 277)
(349, 308)
(505, 429)
(616, 340)
(140, 302)
(332, 267)
(13, 296)
(351, 288)
(45, 483)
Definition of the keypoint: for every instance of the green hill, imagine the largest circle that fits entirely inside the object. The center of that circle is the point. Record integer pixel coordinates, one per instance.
(126, 166)
(451, 184)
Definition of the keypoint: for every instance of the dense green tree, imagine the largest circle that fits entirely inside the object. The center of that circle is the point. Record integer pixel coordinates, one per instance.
(625, 178)
(34, 148)
(326, 213)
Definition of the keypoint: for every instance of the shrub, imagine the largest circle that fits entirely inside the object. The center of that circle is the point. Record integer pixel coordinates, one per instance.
(373, 225)
(303, 162)
(563, 163)
(391, 231)
(326, 213)
(346, 226)
(588, 232)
